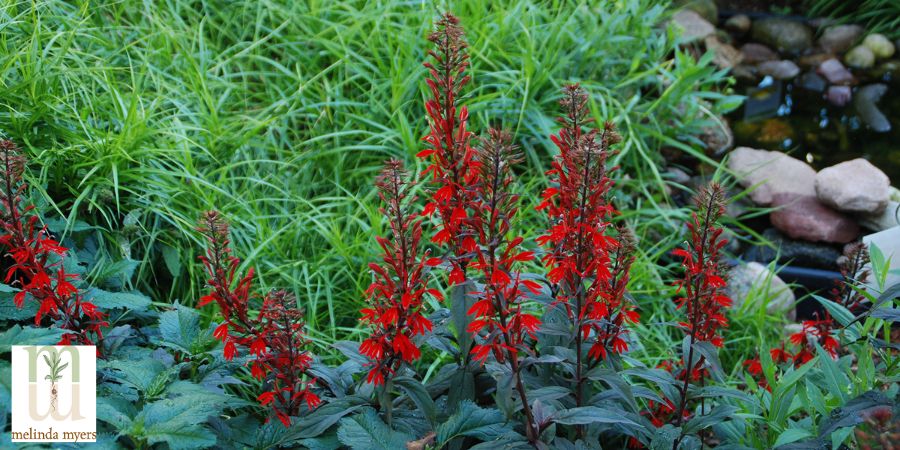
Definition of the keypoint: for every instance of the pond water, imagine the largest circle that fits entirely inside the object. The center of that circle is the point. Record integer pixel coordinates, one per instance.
(789, 117)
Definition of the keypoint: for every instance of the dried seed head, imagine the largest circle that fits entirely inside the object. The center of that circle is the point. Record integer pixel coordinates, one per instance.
(12, 163)
(574, 105)
(711, 201)
(214, 227)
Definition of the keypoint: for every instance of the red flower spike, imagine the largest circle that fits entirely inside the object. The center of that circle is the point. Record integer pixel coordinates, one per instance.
(36, 256)
(702, 286)
(498, 320)
(395, 311)
(449, 154)
(274, 337)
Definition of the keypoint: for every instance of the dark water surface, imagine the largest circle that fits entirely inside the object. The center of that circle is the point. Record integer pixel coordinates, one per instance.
(785, 116)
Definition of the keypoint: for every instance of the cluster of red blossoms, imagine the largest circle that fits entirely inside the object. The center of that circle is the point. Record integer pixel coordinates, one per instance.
(819, 329)
(498, 314)
(37, 261)
(587, 264)
(274, 336)
(452, 161)
(395, 315)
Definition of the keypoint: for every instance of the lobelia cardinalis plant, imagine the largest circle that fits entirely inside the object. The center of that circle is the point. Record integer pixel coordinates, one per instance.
(451, 158)
(587, 266)
(395, 313)
(702, 290)
(821, 328)
(37, 261)
(274, 337)
(498, 315)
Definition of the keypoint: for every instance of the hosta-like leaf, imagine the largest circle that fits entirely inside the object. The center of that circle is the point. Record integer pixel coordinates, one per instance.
(664, 437)
(325, 416)
(366, 431)
(474, 421)
(180, 329)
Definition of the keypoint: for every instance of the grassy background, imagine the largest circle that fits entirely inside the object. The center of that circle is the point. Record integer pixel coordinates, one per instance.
(140, 115)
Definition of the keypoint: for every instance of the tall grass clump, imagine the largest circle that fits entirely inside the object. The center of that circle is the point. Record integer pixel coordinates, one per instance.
(278, 113)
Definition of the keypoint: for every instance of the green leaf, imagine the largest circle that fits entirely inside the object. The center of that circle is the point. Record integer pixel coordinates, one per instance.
(664, 437)
(172, 259)
(419, 395)
(791, 435)
(718, 414)
(584, 415)
(839, 312)
(460, 302)
(179, 421)
(854, 412)
(366, 431)
(134, 301)
(18, 335)
(180, 328)
(326, 415)
(471, 420)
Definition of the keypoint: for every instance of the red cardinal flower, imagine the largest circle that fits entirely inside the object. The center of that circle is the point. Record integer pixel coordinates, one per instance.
(396, 313)
(37, 267)
(448, 152)
(274, 337)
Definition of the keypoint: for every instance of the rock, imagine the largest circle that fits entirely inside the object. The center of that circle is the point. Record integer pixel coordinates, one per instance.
(881, 47)
(694, 27)
(779, 70)
(860, 57)
(853, 186)
(756, 283)
(725, 56)
(719, 137)
(753, 53)
(771, 173)
(803, 217)
(839, 95)
(887, 70)
(744, 72)
(784, 35)
(707, 9)
(677, 175)
(835, 72)
(888, 218)
(813, 60)
(739, 23)
(839, 38)
(888, 241)
(864, 102)
(800, 253)
(811, 81)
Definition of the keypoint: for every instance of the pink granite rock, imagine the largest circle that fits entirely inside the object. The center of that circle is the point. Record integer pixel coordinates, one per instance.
(753, 53)
(854, 186)
(803, 217)
(769, 173)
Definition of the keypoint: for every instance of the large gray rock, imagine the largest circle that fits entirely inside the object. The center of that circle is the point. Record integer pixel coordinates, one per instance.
(839, 38)
(784, 35)
(693, 26)
(755, 283)
(706, 8)
(771, 173)
(779, 70)
(854, 186)
(804, 217)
